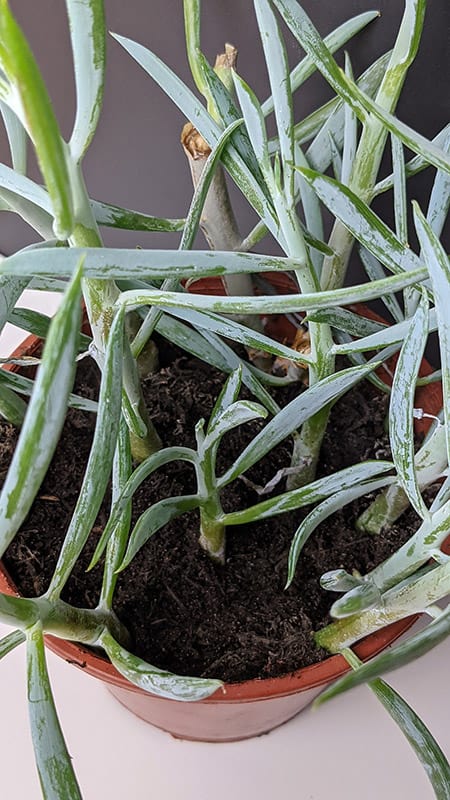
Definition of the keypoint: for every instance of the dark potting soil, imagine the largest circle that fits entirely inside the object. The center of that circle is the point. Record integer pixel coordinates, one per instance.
(184, 613)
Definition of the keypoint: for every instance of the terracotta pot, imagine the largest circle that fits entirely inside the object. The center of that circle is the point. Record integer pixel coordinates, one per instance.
(238, 711)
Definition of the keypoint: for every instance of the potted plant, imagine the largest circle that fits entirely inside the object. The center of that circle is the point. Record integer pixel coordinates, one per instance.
(131, 294)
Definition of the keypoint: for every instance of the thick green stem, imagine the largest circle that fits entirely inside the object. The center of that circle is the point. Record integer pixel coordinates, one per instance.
(100, 297)
(212, 533)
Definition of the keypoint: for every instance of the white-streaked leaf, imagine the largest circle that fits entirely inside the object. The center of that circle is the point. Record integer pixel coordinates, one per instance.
(401, 422)
(87, 33)
(53, 761)
(12, 407)
(312, 493)
(293, 415)
(37, 323)
(348, 321)
(115, 263)
(280, 86)
(376, 272)
(333, 42)
(116, 217)
(439, 203)
(22, 71)
(390, 335)
(359, 598)
(45, 415)
(24, 187)
(273, 304)
(236, 414)
(17, 138)
(256, 126)
(154, 680)
(363, 223)
(338, 580)
(439, 268)
(99, 465)
(414, 166)
(189, 105)
(321, 513)
(153, 519)
(25, 386)
(350, 132)
(10, 290)
(400, 199)
(227, 396)
(152, 463)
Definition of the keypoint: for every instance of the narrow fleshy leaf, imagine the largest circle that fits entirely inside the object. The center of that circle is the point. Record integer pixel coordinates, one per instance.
(17, 138)
(87, 33)
(350, 133)
(189, 105)
(385, 337)
(376, 272)
(400, 199)
(12, 407)
(334, 41)
(22, 71)
(293, 415)
(359, 598)
(363, 223)
(278, 69)
(348, 321)
(45, 415)
(274, 304)
(227, 396)
(117, 542)
(53, 761)
(415, 165)
(18, 611)
(439, 203)
(152, 463)
(34, 322)
(153, 519)
(10, 642)
(256, 126)
(312, 493)
(236, 414)
(401, 422)
(338, 580)
(116, 217)
(115, 263)
(321, 513)
(25, 386)
(414, 647)
(154, 680)
(10, 290)
(100, 461)
(439, 268)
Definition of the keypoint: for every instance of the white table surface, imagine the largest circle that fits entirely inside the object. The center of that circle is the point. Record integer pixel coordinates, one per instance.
(347, 750)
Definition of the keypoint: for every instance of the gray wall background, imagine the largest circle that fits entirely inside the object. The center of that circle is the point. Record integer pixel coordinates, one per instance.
(136, 160)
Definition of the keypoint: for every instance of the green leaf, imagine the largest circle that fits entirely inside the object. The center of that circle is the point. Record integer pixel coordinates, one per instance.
(439, 203)
(18, 611)
(190, 107)
(116, 217)
(52, 758)
(10, 291)
(22, 71)
(87, 34)
(439, 268)
(39, 324)
(400, 199)
(350, 133)
(100, 461)
(383, 338)
(273, 304)
(17, 138)
(376, 272)
(312, 493)
(345, 320)
(401, 423)
(117, 542)
(239, 333)
(359, 598)
(256, 126)
(12, 407)
(154, 680)
(45, 415)
(26, 386)
(153, 519)
(414, 647)
(414, 166)
(236, 414)
(334, 41)
(322, 512)
(227, 396)
(10, 642)
(280, 86)
(131, 485)
(115, 263)
(363, 223)
(293, 415)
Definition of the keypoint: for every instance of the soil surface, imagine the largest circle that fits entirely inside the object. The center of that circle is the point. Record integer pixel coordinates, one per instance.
(184, 613)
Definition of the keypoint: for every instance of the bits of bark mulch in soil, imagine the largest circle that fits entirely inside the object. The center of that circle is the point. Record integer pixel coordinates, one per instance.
(184, 613)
